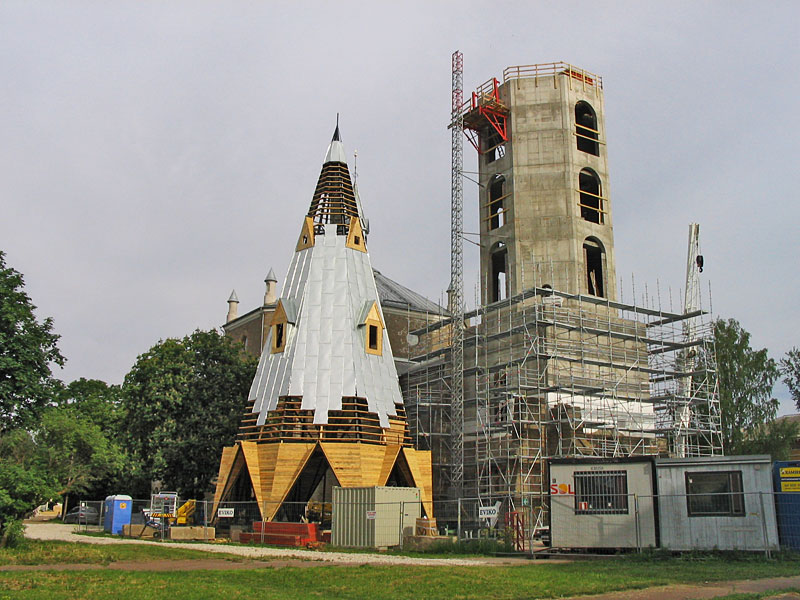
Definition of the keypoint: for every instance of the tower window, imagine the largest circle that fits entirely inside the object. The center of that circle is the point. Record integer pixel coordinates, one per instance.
(372, 322)
(373, 337)
(278, 337)
(497, 211)
(498, 284)
(594, 257)
(494, 145)
(591, 197)
(586, 128)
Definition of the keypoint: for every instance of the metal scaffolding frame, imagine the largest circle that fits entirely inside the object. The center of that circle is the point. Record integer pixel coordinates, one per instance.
(552, 374)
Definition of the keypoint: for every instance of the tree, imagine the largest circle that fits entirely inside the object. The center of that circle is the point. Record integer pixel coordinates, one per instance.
(790, 369)
(183, 401)
(74, 450)
(746, 379)
(27, 348)
(96, 400)
(24, 484)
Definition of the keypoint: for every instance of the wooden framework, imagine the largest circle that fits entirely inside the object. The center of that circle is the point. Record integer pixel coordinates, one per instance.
(291, 423)
(334, 200)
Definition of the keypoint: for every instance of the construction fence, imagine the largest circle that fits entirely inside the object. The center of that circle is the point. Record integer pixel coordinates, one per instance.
(757, 521)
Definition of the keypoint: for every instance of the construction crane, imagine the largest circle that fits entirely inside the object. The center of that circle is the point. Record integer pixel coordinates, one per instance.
(457, 276)
(688, 357)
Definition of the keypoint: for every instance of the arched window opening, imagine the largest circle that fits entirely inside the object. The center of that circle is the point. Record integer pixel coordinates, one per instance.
(591, 197)
(499, 282)
(497, 192)
(586, 128)
(594, 255)
(494, 145)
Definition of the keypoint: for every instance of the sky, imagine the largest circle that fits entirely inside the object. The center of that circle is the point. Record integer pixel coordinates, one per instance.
(156, 155)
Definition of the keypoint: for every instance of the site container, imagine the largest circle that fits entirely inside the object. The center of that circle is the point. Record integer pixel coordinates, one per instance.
(373, 517)
(786, 478)
(716, 503)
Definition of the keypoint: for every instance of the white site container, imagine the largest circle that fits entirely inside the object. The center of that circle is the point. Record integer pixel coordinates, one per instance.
(373, 517)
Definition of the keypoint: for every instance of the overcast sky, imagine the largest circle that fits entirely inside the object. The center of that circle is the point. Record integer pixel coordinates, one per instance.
(156, 155)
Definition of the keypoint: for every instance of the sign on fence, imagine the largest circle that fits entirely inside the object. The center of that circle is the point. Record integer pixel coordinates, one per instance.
(371, 515)
(487, 512)
(225, 512)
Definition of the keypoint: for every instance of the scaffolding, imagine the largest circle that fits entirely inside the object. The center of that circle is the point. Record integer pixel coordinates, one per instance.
(554, 374)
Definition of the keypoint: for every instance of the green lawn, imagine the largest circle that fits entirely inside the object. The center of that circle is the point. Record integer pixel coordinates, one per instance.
(39, 552)
(393, 582)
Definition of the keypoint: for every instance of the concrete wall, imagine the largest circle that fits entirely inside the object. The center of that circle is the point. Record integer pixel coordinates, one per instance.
(541, 166)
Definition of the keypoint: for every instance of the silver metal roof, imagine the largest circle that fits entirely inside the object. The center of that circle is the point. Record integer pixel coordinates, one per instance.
(398, 296)
(271, 276)
(325, 356)
(233, 297)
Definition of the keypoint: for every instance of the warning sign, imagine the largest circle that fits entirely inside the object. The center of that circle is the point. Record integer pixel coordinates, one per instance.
(790, 486)
(371, 514)
(790, 471)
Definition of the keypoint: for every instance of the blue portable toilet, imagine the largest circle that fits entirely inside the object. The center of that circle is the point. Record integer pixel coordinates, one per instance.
(786, 478)
(117, 513)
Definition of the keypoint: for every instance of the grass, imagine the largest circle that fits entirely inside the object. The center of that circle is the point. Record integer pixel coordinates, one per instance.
(379, 582)
(41, 552)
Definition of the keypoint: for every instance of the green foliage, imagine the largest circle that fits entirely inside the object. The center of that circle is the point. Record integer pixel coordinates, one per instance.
(746, 379)
(790, 369)
(75, 450)
(183, 400)
(27, 347)
(94, 399)
(24, 484)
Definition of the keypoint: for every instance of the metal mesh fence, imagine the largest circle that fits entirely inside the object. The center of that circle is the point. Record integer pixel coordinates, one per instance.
(595, 518)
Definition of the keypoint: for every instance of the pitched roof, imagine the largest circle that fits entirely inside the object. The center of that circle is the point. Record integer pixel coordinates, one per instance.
(394, 295)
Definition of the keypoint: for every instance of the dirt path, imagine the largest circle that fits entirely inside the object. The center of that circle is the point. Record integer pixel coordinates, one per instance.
(714, 589)
(53, 531)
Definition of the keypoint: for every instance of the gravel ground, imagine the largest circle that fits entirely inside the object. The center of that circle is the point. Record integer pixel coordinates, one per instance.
(54, 531)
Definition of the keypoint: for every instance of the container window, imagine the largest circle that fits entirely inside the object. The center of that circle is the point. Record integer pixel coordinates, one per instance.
(601, 492)
(717, 494)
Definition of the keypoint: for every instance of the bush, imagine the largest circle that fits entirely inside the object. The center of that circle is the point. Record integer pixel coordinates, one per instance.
(13, 534)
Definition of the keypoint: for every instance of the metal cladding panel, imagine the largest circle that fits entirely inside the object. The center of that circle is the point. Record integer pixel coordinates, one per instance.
(272, 376)
(325, 357)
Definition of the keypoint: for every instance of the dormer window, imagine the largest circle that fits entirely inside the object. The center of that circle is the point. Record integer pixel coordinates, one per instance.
(283, 318)
(370, 319)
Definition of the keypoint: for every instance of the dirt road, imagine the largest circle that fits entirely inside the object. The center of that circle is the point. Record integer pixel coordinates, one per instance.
(53, 531)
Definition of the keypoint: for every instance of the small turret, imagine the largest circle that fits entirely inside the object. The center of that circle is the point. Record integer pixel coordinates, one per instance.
(269, 296)
(233, 307)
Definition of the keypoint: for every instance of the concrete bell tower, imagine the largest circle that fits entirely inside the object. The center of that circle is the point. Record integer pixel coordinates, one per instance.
(545, 208)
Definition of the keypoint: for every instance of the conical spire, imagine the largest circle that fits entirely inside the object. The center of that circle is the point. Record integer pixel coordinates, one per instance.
(334, 200)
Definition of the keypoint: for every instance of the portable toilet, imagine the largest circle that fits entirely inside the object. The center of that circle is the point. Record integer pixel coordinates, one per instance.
(117, 513)
(786, 479)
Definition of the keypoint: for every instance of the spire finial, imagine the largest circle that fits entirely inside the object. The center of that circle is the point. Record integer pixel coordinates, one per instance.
(336, 136)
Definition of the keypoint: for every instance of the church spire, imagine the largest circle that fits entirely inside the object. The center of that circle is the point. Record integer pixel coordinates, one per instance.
(334, 200)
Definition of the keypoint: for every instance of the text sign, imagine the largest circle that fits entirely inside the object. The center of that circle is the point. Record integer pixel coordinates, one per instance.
(371, 514)
(225, 512)
(790, 471)
(487, 512)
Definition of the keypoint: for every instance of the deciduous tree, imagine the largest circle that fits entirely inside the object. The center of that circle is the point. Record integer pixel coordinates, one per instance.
(746, 379)
(27, 349)
(183, 400)
(790, 369)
